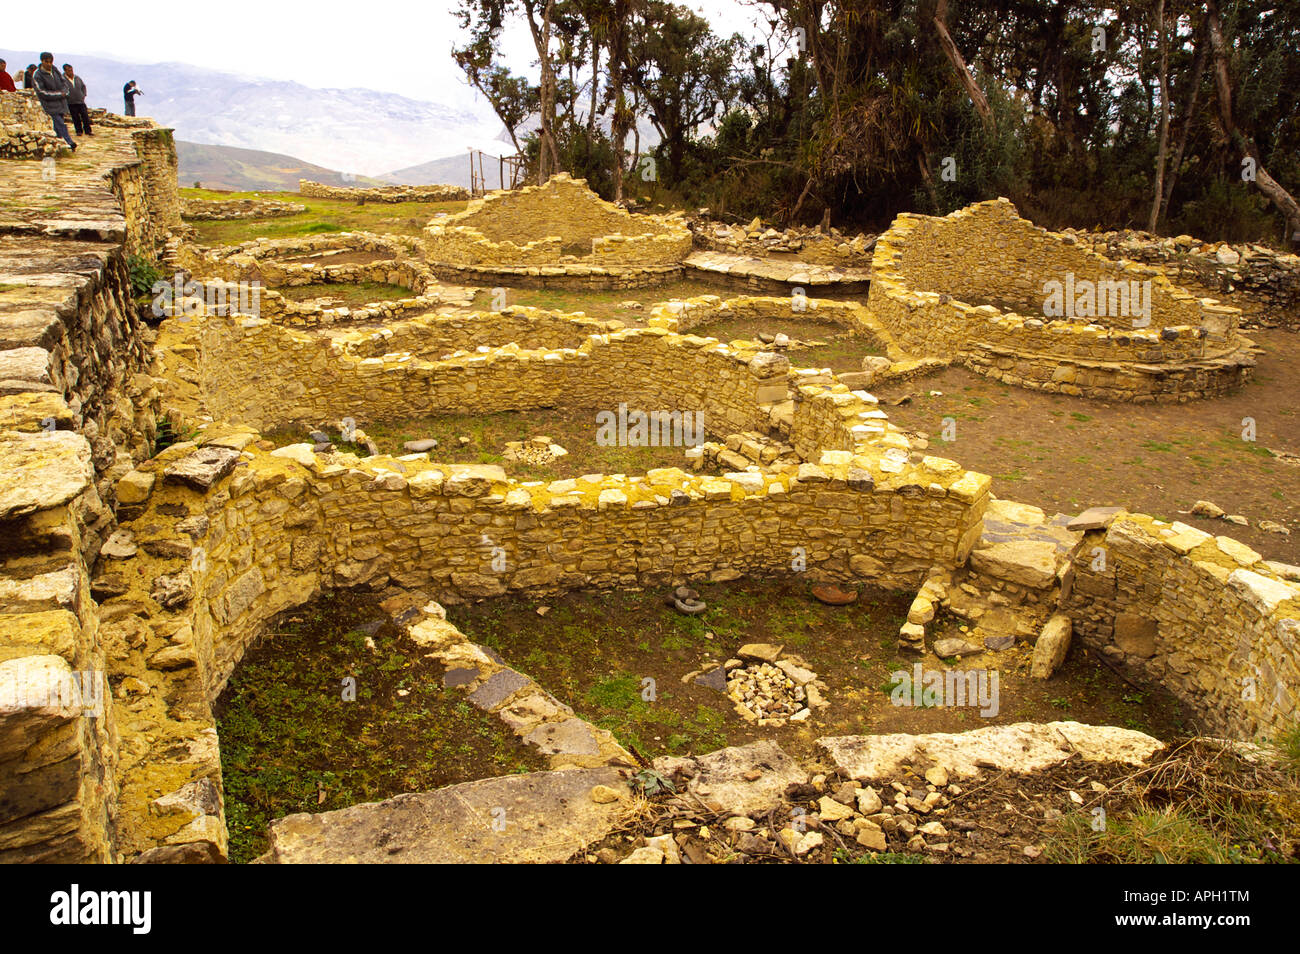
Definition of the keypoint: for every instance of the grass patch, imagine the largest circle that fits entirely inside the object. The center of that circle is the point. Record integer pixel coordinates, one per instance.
(291, 742)
(351, 294)
(320, 216)
(1202, 803)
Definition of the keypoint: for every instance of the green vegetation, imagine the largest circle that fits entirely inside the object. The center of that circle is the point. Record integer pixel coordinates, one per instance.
(351, 294)
(868, 114)
(321, 216)
(166, 434)
(1202, 803)
(291, 740)
(143, 273)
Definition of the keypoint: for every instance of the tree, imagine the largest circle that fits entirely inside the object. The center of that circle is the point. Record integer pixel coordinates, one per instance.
(485, 19)
(1279, 196)
(682, 71)
(1163, 151)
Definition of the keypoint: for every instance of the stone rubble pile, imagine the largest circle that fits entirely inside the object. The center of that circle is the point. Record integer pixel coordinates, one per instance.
(823, 248)
(539, 451)
(771, 689)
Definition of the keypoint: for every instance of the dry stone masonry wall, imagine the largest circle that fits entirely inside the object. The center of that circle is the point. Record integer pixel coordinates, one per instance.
(394, 193)
(207, 210)
(973, 285)
(558, 230)
(1204, 616)
(153, 574)
(1262, 281)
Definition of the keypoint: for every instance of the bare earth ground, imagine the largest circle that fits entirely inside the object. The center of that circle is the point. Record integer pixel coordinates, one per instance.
(1066, 454)
(593, 649)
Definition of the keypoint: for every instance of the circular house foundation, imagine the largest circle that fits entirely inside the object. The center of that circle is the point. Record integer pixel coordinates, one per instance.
(1030, 307)
(560, 233)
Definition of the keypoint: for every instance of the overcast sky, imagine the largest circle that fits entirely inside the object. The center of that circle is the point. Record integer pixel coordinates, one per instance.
(395, 45)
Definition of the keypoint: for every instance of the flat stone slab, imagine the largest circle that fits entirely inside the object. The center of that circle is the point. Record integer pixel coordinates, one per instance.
(1030, 563)
(202, 468)
(1095, 518)
(497, 688)
(570, 737)
(760, 652)
(715, 679)
(742, 779)
(539, 818)
(459, 676)
(1020, 747)
(42, 471)
(28, 365)
(792, 272)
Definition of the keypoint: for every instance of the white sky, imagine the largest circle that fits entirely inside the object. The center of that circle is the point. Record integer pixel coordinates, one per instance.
(398, 46)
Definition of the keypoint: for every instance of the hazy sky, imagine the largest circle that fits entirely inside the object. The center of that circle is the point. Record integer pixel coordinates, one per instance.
(394, 45)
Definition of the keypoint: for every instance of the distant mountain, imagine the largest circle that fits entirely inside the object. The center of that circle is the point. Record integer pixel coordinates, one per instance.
(454, 170)
(356, 130)
(251, 170)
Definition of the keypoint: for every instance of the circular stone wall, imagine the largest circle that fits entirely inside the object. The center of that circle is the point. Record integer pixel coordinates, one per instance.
(558, 229)
(1032, 308)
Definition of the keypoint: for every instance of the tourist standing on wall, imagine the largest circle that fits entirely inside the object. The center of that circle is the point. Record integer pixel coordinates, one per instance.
(129, 93)
(52, 88)
(6, 81)
(77, 101)
(27, 75)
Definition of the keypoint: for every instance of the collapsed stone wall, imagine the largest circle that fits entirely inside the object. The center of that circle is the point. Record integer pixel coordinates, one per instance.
(436, 336)
(810, 245)
(263, 260)
(559, 224)
(987, 253)
(686, 315)
(1206, 617)
(212, 210)
(1263, 282)
(393, 193)
(316, 380)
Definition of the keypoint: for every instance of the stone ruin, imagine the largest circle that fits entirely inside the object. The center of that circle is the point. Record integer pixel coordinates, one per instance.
(559, 230)
(393, 193)
(157, 570)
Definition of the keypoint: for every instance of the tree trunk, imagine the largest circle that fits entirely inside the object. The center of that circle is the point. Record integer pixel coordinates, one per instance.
(1163, 151)
(976, 95)
(1284, 201)
(548, 160)
(1198, 70)
(617, 66)
(595, 86)
(923, 162)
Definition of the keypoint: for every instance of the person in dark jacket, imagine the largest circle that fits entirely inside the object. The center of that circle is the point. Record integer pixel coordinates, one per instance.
(52, 89)
(77, 101)
(27, 75)
(129, 93)
(6, 81)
